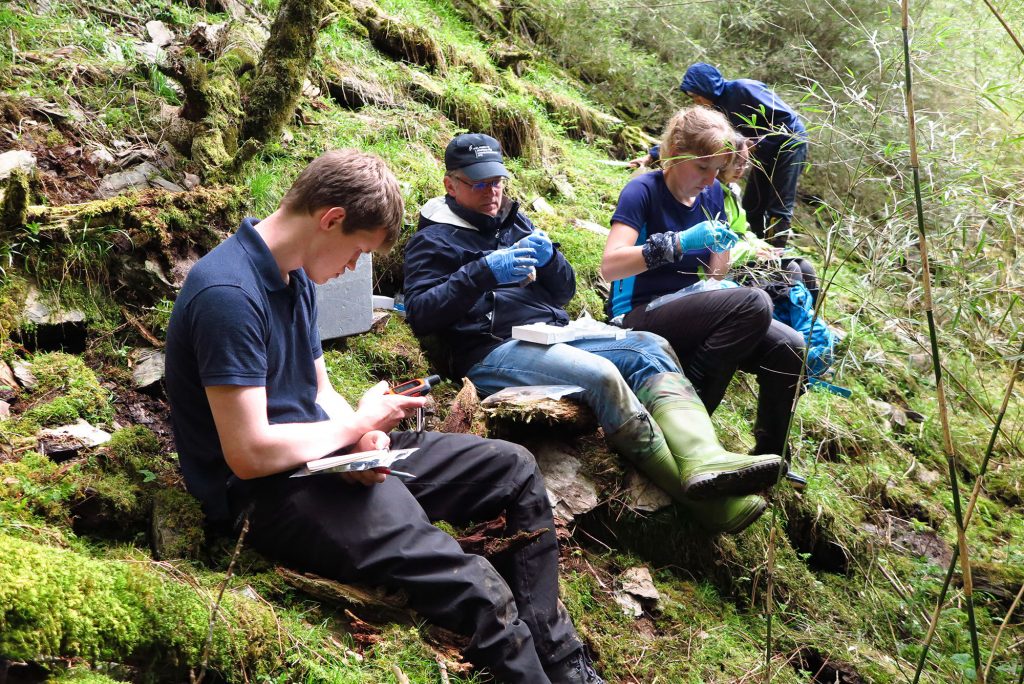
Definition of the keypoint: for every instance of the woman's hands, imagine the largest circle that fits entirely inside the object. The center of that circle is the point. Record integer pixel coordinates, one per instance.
(713, 235)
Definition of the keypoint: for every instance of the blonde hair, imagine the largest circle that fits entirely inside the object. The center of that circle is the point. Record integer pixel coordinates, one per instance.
(697, 132)
(361, 183)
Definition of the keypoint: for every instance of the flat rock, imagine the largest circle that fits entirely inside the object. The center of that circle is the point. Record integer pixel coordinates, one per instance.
(16, 160)
(65, 442)
(135, 177)
(147, 367)
(5, 410)
(150, 53)
(40, 313)
(563, 187)
(542, 206)
(7, 379)
(642, 495)
(165, 184)
(635, 592)
(101, 156)
(570, 491)
(23, 372)
(159, 34)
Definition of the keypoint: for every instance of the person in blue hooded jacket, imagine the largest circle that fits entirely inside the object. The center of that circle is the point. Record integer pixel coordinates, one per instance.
(780, 147)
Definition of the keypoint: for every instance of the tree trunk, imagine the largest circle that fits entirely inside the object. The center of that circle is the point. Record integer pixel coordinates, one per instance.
(274, 93)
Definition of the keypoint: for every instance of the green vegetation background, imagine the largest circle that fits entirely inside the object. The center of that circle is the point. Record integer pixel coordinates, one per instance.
(856, 566)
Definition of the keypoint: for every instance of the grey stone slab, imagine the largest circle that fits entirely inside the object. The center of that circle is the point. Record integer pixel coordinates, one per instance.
(345, 304)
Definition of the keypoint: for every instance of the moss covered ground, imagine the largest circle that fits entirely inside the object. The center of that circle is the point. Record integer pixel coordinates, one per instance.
(858, 556)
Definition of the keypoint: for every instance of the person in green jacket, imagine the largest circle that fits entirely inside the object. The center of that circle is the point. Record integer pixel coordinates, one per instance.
(751, 252)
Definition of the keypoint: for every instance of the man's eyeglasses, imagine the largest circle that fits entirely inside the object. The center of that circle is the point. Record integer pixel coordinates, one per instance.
(482, 185)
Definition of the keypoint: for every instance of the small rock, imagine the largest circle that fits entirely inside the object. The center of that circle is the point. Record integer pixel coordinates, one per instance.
(5, 410)
(136, 177)
(286, 137)
(40, 313)
(63, 443)
(563, 187)
(629, 605)
(23, 372)
(156, 269)
(159, 34)
(540, 205)
(882, 408)
(101, 156)
(191, 181)
(636, 592)
(113, 51)
(643, 495)
(16, 160)
(150, 53)
(926, 476)
(638, 582)
(7, 379)
(590, 226)
(148, 367)
(167, 185)
(570, 492)
(310, 90)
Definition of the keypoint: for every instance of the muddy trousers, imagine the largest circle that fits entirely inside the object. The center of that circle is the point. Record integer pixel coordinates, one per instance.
(382, 535)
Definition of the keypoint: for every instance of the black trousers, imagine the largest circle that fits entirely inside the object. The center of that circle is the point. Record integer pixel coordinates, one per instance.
(382, 534)
(714, 333)
(770, 193)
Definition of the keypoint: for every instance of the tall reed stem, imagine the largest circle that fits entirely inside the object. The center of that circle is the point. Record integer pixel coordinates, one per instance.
(1014, 372)
(947, 440)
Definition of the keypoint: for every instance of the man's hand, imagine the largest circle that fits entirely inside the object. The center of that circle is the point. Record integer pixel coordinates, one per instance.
(713, 235)
(539, 241)
(511, 264)
(383, 411)
(375, 439)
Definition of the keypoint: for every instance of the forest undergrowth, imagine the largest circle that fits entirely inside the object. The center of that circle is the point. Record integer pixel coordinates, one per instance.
(849, 569)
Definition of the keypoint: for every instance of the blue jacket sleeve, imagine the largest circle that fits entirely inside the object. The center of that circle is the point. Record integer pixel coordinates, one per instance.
(439, 288)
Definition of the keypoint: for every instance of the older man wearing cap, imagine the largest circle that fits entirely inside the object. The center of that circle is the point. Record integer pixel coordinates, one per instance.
(477, 267)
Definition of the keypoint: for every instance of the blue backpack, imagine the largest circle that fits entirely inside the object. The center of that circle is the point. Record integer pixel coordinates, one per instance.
(796, 310)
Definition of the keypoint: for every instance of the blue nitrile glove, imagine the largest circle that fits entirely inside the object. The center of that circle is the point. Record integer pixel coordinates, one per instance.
(541, 243)
(511, 264)
(713, 235)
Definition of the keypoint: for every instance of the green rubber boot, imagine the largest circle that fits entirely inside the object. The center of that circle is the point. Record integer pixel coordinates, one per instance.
(642, 442)
(726, 515)
(706, 470)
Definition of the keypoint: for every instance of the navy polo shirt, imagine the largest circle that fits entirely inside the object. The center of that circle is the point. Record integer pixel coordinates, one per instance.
(236, 322)
(648, 206)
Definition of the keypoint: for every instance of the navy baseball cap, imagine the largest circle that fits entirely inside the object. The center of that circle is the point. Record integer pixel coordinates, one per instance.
(476, 155)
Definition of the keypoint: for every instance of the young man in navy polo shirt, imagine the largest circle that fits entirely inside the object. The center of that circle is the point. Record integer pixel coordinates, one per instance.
(251, 401)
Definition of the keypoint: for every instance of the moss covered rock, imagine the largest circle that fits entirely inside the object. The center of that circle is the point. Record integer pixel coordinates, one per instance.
(56, 603)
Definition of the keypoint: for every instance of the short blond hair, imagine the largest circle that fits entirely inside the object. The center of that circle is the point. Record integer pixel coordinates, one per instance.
(697, 132)
(359, 182)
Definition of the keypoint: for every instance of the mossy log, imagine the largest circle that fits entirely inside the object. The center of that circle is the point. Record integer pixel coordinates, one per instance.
(270, 98)
(129, 239)
(399, 39)
(56, 603)
(580, 121)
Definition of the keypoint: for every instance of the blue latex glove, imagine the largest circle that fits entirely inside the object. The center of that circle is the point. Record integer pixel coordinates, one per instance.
(541, 243)
(511, 264)
(713, 235)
